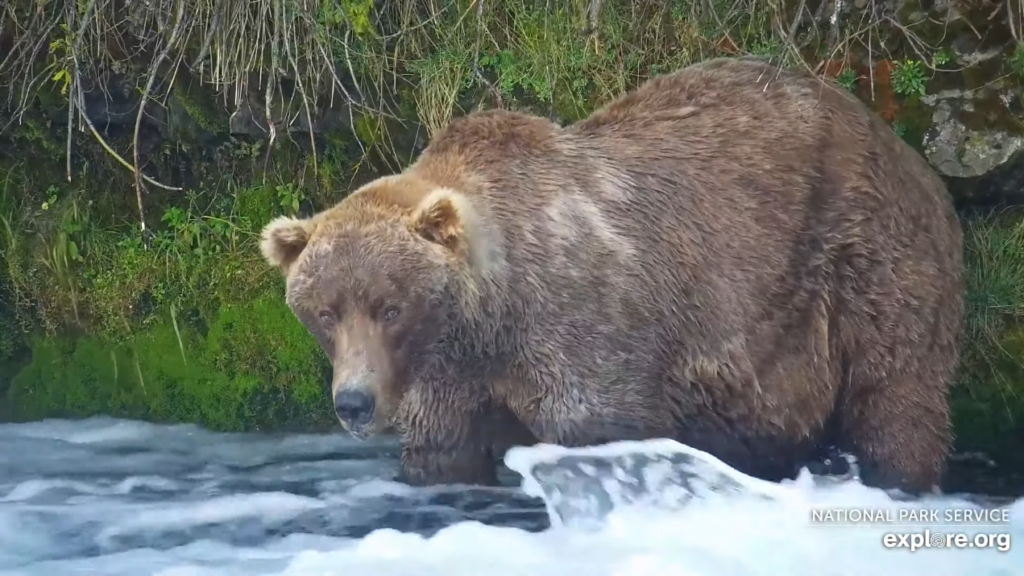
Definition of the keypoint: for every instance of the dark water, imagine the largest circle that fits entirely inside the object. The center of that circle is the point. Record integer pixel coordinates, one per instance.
(106, 496)
(102, 486)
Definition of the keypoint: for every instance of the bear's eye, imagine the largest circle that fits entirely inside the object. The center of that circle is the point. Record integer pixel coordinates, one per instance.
(390, 313)
(326, 317)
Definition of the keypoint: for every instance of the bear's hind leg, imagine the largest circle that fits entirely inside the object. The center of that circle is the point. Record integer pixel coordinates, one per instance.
(898, 316)
(897, 423)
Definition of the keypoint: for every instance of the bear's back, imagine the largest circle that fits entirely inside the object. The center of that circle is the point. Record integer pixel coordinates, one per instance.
(705, 200)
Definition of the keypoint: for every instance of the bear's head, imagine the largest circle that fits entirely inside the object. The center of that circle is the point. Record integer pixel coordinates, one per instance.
(376, 279)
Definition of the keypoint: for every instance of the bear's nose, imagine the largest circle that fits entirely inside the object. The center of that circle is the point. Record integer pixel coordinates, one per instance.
(354, 406)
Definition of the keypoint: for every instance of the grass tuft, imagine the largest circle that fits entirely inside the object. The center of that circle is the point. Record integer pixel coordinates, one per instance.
(989, 403)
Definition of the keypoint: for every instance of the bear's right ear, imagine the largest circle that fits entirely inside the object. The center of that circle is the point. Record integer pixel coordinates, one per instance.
(284, 239)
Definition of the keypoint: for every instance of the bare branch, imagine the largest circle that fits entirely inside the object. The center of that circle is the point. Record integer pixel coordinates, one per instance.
(85, 117)
(154, 68)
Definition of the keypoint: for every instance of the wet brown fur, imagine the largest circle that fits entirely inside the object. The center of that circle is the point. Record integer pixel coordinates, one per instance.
(739, 258)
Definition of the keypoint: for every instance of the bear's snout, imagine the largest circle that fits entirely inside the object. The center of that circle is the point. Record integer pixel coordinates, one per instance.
(354, 407)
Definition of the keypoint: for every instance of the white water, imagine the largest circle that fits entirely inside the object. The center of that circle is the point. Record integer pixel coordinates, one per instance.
(113, 497)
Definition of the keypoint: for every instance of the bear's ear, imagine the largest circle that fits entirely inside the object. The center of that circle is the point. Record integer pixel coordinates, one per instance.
(443, 218)
(284, 239)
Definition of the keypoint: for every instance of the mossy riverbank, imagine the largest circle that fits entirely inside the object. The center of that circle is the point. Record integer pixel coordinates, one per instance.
(183, 322)
(185, 326)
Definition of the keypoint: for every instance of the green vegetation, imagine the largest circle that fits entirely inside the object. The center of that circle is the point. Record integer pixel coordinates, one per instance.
(1016, 60)
(847, 79)
(187, 325)
(181, 320)
(989, 403)
(941, 58)
(908, 78)
(255, 368)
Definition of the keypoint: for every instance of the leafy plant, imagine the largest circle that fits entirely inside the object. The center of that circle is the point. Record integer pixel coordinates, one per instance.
(908, 78)
(847, 79)
(290, 197)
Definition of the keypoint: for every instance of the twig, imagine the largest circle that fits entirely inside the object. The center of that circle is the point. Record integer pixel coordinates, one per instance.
(179, 18)
(1010, 18)
(337, 81)
(305, 101)
(214, 26)
(76, 78)
(269, 92)
(415, 27)
(71, 123)
(871, 57)
(174, 75)
(791, 37)
(38, 44)
(593, 18)
(348, 62)
(796, 22)
(85, 117)
(913, 40)
(476, 55)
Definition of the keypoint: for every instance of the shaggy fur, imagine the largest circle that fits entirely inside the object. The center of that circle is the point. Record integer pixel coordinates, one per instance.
(743, 259)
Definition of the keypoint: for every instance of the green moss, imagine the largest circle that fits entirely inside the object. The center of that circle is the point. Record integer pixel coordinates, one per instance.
(200, 107)
(264, 337)
(916, 119)
(81, 378)
(257, 367)
(369, 128)
(10, 338)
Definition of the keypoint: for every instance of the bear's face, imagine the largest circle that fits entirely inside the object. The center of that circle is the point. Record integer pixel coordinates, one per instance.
(372, 284)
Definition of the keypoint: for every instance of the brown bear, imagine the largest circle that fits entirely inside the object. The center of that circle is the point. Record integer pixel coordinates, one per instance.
(736, 256)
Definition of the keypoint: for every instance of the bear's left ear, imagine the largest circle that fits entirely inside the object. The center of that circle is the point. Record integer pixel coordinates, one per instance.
(443, 218)
(284, 239)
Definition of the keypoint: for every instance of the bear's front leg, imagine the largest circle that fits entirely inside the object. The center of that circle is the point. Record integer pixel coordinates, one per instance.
(446, 438)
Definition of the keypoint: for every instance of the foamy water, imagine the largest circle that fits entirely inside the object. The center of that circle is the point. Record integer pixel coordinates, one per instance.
(113, 497)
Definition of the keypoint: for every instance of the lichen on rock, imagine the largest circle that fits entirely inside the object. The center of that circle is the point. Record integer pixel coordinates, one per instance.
(961, 151)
